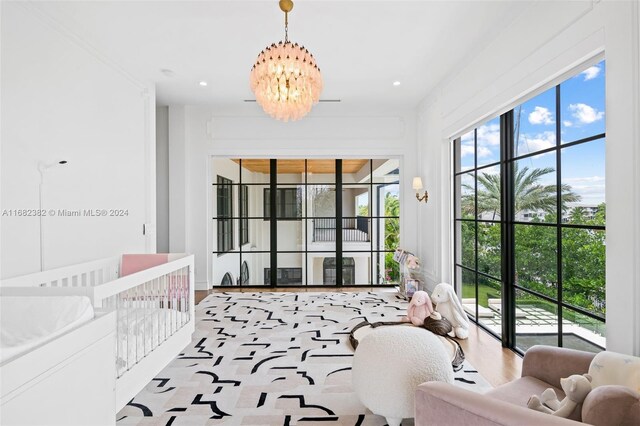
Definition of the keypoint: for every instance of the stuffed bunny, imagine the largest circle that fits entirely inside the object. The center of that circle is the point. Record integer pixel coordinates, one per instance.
(419, 308)
(449, 306)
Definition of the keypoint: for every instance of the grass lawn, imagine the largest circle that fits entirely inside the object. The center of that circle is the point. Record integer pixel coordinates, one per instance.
(485, 292)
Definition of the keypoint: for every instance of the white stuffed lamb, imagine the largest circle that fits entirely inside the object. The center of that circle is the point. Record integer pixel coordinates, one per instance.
(449, 306)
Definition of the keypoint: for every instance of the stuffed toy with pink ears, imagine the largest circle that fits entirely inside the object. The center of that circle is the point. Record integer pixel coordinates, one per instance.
(419, 308)
(449, 306)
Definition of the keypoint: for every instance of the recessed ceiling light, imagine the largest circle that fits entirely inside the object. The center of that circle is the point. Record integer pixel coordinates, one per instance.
(396, 83)
(203, 83)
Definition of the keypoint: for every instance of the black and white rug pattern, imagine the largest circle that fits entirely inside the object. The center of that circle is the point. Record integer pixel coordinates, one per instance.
(270, 359)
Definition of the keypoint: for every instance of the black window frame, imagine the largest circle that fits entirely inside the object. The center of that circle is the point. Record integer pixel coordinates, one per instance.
(224, 215)
(285, 276)
(329, 271)
(284, 210)
(510, 288)
(244, 214)
(371, 224)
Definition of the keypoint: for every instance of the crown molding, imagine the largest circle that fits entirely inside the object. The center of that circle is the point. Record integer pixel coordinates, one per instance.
(72, 35)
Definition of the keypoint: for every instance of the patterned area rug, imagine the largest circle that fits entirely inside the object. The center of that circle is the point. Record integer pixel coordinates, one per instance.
(270, 359)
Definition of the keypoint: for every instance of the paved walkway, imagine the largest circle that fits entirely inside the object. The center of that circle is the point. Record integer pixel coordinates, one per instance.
(533, 320)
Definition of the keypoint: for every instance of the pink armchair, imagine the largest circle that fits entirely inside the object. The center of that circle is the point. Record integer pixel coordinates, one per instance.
(443, 404)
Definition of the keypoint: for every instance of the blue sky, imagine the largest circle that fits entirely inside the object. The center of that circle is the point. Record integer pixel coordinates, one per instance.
(582, 114)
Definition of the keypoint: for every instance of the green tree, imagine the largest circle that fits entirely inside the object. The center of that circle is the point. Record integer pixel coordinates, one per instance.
(584, 261)
(583, 249)
(529, 193)
(391, 235)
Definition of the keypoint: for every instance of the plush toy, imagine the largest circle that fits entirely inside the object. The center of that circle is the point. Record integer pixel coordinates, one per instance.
(419, 308)
(576, 389)
(412, 262)
(448, 305)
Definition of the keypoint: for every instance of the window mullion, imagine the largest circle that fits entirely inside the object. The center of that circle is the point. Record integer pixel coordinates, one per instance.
(559, 210)
(508, 237)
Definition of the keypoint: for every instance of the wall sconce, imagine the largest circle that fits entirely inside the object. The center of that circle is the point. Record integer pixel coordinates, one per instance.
(417, 185)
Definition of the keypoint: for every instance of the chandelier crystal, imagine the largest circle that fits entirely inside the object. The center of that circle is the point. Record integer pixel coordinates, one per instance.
(285, 78)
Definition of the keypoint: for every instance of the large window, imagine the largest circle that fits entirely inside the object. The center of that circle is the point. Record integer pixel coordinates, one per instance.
(348, 270)
(288, 204)
(224, 215)
(286, 276)
(530, 218)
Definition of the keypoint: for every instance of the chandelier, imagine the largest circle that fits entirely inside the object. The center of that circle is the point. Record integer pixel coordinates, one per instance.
(285, 78)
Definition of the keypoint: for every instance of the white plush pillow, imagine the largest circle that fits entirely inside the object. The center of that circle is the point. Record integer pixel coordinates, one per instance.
(611, 368)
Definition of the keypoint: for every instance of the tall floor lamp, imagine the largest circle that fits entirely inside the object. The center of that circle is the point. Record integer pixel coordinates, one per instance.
(43, 168)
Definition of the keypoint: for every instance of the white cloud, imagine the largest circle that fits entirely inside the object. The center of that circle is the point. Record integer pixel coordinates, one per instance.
(493, 170)
(467, 138)
(489, 135)
(538, 142)
(585, 114)
(466, 150)
(488, 139)
(541, 115)
(591, 73)
(591, 189)
(567, 123)
(583, 180)
(591, 195)
(483, 152)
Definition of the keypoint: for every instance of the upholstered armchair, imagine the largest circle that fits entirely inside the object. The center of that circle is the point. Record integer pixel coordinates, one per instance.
(614, 400)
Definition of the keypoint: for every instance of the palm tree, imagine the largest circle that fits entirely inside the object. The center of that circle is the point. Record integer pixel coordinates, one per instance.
(528, 193)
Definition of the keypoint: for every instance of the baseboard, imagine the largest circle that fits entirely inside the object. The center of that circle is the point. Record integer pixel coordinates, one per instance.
(202, 285)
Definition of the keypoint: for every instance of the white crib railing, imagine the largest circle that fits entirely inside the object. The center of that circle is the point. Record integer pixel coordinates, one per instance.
(88, 274)
(152, 305)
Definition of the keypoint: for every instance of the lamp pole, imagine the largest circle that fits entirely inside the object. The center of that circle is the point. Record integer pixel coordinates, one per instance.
(42, 168)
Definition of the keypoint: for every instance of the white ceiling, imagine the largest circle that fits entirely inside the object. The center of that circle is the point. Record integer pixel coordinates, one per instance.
(362, 47)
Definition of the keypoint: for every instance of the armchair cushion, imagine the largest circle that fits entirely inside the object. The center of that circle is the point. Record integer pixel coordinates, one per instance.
(550, 364)
(439, 403)
(612, 405)
(520, 390)
(611, 368)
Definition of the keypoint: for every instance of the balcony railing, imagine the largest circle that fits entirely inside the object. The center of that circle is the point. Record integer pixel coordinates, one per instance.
(354, 229)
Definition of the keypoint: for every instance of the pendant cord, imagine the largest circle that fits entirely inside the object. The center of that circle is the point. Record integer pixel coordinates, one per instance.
(286, 27)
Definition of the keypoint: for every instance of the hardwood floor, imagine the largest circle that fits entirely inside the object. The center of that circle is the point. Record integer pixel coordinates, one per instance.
(495, 363)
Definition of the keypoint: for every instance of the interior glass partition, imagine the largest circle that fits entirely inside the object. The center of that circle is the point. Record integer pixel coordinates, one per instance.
(308, 221)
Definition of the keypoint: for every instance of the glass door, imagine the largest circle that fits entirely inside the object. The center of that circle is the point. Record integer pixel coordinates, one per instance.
(301, 222)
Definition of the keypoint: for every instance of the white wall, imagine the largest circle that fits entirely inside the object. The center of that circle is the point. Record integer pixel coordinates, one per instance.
(178, 181)
(530, 54)
(62, 100)
(330, 131)
(162, 179)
